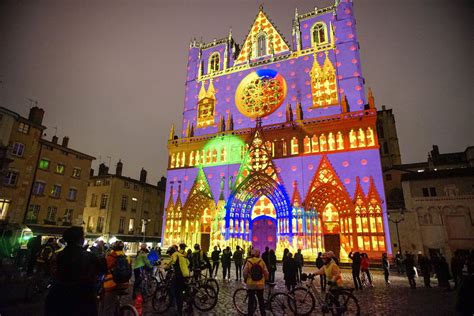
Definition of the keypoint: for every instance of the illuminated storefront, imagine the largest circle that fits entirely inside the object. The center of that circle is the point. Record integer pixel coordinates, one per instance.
(278, 146)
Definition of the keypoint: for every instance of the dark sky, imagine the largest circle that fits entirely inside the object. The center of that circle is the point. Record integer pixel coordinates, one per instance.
(110, 74)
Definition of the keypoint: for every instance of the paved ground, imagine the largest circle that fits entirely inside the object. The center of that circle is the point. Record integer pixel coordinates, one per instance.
(394, 299)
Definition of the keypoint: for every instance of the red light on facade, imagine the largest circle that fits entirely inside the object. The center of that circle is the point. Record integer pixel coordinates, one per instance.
(345, 163)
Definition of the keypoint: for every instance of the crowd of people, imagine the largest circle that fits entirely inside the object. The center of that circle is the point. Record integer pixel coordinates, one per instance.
(78, 272)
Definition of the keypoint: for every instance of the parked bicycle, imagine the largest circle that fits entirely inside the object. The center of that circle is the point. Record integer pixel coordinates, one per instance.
(278, 303)
(336, 302)
(124, 309)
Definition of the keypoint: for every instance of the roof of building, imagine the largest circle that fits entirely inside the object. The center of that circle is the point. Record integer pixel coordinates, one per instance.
(98, 177)
(437, 174)
(22, 118)
(67, 149)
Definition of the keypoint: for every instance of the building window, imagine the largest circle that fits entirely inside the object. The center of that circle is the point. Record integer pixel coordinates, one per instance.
(76, 173)
(319, 34)
(124, 202)
(67, 220)
(135, 187)
(60, 168)
(32, 215)
(44, 164)
(23, 128)
(385, 148)
(425, 192)
(134, 204)
(38, 188)
(126, 184)
(72, 195)
(55, 191)
(388, 177)
(51, 216)
(121, 225)
(433, 191)
(261, 45)
(93, 200)
(103, 201)
(11, 178)
(18, 149)
(4, 206)
(100, 224)
(214, 63)
(131, 226)
(294, 146)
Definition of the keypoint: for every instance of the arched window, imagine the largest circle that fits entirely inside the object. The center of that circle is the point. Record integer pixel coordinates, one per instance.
(214, 63)
(261, 45)
(319, 34)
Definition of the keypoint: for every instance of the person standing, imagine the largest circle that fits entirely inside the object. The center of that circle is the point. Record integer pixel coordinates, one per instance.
(215, 257)
(322, 277)
(410, 269)
(255, 274)
(119, 272)
(399, 262)
(238, 261)
(199, 261)
(444, 273)
(425, 268)
(364, 267)
(180, 265)
(290, 271)
(386, 267)
(141, 262)
(332, 271)
(272, 261)
(265, 256)
(34, 247)
(74, 272)
(457, 264)
(225, 259)
(355, 257)
(299, 259)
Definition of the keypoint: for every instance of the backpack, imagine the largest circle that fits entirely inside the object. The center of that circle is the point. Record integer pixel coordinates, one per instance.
(256, 271)
(121, 272)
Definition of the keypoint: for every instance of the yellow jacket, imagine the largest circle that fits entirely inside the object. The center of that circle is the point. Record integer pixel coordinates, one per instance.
(251, 284)
(183, 263)
(333, 273)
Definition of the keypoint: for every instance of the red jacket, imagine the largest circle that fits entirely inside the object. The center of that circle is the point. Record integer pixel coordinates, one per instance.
(364, 263)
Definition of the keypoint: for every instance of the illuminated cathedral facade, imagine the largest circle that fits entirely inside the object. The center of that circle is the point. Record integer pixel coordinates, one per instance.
(278, 146)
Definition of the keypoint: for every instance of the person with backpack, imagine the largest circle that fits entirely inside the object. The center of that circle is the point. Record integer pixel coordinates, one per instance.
(141, 262)
(180, 265)
(199, 262)
(226, 259)
(117, 278)
(238, 261)
(299, 259)
(215, 257)
(255, 274)
(75, 272)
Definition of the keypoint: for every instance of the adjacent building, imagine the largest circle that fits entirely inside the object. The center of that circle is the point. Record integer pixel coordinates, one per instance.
(20, 147)
(58, 195)
(120, 207)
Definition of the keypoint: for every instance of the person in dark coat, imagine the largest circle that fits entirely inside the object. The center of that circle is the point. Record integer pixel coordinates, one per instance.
(299, 264)
(356, 260)
(75, 272)
(238, 262)
(410, 269)
(425, 268)
(386, 267)
(215, 257)
(265, 256)
(319, 265)
(444, 276)
(272, 265)
(34, 247)
(290, 270)
(225, 260)
(457, 264)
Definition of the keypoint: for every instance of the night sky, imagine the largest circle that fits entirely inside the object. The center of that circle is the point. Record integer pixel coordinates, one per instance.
(110, 74)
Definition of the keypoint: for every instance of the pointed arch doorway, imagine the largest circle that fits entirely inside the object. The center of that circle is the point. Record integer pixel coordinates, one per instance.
(264, 224)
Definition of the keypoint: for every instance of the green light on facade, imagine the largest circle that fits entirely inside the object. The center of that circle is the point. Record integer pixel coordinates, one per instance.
(224, 150)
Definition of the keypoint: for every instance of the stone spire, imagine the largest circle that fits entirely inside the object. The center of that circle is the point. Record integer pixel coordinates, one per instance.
(202, 92)
(371, 99)
(299, 111)
(344, 104)
(171, 135)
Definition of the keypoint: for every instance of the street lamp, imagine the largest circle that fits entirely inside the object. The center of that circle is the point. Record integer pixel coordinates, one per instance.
(397, 221)
(144, 223)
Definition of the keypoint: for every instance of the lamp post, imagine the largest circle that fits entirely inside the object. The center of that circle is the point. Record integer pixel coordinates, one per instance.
(144, 223)
(397, 221)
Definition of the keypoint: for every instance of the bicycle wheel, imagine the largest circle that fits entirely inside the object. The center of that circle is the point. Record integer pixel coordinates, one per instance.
(305, 301)
(282, 304)
(205, 298)
(241, 301)
(349, 304)
(127, 310)
(151, 286)
(161, 301)
(213, 283)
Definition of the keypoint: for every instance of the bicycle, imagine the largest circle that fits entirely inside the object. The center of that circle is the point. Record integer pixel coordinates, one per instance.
(124, 309)
(336, 302)
(212, 282)
(278, 303)
(198, 294)
(148, 284)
